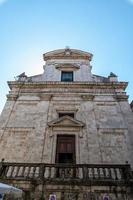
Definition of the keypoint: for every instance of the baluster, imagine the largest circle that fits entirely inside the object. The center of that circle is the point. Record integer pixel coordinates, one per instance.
(69, 173)
(62, 173)
(77, 172)
(23, 169)
(110, 174)
(17, 171)
(58, 172)
(122, 173)
(28, 171)
(46, 174)
(12, 170)
(9, 171)
(85, 172)
(49, 172)
(66, 171)
(55, 171)
(98, 173)
(72, 172)
(93, 172)
(5, 172)
(41, 171)
(34, 170)
(88, 169)
(115, 173)
(104, 172)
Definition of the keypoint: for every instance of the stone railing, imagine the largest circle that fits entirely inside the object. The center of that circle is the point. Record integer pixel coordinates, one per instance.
(79, 173)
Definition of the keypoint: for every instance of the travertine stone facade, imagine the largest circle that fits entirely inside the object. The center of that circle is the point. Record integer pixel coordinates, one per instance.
(100, 120)
(99, 103)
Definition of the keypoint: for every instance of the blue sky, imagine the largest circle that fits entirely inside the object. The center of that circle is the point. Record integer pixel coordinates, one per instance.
(29, 28)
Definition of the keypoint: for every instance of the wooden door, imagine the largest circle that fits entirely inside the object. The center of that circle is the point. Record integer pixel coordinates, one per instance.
(65, 150)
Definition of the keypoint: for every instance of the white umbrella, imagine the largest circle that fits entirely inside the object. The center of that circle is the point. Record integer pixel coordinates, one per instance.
(8, 189)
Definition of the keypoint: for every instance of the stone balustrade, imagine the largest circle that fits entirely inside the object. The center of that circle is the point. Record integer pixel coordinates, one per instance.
(85, 174)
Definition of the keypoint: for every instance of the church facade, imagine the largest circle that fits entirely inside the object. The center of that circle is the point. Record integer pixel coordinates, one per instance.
(67, 133)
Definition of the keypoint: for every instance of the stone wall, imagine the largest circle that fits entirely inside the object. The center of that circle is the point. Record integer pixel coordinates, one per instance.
(40, 191)
(105, 138)
(81, 68)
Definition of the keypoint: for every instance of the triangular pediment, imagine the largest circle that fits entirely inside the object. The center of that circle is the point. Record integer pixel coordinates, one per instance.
(66, 121)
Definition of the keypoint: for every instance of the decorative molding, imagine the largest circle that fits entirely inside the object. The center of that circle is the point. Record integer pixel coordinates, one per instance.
(87, 97)
(67, 54)
(21, 129)
(66, 121)
(59, 84)
(68, 110)
(29, 103)
(66, 130)
(81, 133)
(67, 67)
(112, 130)
(106, 104)
(12, 97)
(121, 97)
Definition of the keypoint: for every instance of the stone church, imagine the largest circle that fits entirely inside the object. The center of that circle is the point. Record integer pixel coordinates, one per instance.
(67, 134)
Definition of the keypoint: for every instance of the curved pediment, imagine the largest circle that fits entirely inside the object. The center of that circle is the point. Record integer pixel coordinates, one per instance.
(66, 121)
(67, 54)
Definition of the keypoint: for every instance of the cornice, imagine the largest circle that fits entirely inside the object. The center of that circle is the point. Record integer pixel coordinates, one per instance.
(75, 57)
(58, 84)
(12, 97)
(121, 97)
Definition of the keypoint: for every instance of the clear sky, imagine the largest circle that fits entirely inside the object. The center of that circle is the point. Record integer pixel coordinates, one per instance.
(29, 28)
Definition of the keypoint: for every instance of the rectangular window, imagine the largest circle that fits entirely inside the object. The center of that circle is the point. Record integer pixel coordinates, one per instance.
(66, 76)
(68, 114)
